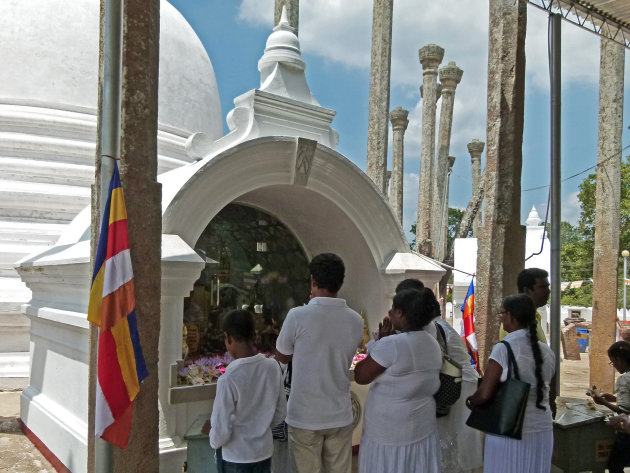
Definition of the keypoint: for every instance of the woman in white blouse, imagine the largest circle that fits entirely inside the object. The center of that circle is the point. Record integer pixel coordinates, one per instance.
(536, 365)
(399, 427)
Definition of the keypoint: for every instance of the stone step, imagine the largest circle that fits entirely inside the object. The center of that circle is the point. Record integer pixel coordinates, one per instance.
(14, 365)
(45, 148)
(15, 232)
(49, 172)
(50, 202)
(13, 293)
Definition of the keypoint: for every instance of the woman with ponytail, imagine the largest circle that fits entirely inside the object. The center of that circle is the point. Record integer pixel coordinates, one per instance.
(536, 362)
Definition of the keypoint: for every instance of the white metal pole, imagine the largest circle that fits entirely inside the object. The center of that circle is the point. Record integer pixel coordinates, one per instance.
(110, 149)
(556, 199)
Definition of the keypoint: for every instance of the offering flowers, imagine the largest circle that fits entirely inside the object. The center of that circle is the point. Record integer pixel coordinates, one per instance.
(205, 370)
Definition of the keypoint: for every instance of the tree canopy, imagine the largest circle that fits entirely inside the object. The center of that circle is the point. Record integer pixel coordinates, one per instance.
(578, 241)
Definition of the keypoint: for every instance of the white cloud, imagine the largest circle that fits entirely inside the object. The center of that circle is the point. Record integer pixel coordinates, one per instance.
(410, 201)
(340, 32)
(571, 208)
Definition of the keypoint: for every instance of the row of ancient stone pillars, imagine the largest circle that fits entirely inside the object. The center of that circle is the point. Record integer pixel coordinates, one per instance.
(432, 216)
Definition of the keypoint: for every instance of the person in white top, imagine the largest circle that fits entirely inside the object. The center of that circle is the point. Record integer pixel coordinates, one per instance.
(619, 355)
(400, 431)
(321, 339)
(536, 366)
(250, 400)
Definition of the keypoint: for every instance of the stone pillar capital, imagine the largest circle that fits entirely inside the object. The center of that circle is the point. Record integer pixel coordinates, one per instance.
(431, 56)
(450, 76)
(451, 162)
(475, 148)
(399, 120)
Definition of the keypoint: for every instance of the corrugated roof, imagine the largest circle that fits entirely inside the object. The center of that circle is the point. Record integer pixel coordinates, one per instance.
(608, 18)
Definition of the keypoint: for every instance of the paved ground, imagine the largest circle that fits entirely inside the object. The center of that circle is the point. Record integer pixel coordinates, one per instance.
(18, 455)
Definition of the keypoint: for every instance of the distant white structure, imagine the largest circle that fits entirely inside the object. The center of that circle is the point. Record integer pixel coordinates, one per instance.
(537, 254)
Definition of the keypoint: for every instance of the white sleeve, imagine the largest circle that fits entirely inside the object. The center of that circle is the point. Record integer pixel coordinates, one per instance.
(285, 343)
(222, 413)
(384, 351)
(500, 355)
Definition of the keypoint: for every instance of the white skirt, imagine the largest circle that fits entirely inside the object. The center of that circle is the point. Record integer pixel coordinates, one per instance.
(462, 446)
(419, 457)
(532, 454)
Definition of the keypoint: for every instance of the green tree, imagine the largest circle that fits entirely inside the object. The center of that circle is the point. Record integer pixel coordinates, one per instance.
(578, 241)
(454, 219)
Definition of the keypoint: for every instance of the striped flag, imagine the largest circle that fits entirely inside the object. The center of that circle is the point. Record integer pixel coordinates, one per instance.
(468, 324)
(121, 367)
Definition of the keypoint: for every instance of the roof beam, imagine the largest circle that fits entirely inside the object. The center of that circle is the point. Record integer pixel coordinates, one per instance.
(611, 23)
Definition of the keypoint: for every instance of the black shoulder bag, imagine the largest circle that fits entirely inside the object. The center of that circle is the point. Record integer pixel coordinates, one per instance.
(504, 414)
(450, 378)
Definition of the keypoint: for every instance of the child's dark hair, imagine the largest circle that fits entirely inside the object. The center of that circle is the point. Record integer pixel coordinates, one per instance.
(410, 283)
(621, 351)
(239, 324)
(328, 271)
(418, 306)
(523, 309)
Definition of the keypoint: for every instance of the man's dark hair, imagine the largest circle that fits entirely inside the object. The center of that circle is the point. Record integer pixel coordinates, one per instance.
(528, 278)
(410, 283)
(239, 324)
(328, 271)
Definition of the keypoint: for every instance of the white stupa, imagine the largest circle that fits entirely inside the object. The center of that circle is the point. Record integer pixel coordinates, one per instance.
(278, 158)
(48, 106)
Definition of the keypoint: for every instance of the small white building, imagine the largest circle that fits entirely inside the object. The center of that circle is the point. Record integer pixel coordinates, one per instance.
(240, 222)
(537, 254)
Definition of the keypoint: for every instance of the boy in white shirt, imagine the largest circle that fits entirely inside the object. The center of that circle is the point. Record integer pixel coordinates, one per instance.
(250, 400)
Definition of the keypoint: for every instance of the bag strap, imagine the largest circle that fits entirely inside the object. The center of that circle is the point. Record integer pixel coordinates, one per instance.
(512, 366)
(441, 338)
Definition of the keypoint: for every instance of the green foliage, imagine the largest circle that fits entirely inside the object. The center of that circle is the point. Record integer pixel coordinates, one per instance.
(578, 241)
(454, 220)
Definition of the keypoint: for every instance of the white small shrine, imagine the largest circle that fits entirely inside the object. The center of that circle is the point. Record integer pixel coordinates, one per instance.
(240, 223)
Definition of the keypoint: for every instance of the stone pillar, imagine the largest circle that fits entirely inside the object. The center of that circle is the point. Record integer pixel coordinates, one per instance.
(501, 253)
(379, 92)
(444, 216)
(398, 116)
(475, 148)
(607, 202)
(430, 58)
(293, 12)
(138, 168)
(450, 75)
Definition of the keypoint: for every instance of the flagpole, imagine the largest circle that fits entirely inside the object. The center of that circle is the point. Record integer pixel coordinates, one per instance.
(110, 150)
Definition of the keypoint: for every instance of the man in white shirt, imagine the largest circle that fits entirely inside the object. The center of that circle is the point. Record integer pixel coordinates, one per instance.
(321, 339)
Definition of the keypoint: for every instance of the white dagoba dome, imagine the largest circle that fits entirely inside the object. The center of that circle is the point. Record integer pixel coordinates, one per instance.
(49, 57)
(49, 53)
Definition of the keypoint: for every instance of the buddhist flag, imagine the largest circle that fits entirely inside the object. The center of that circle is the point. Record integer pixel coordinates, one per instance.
(112, 304)
(468, 324)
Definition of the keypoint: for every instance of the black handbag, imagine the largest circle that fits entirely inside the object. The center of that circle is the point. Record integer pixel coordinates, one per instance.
(450, 378)
(504, 414)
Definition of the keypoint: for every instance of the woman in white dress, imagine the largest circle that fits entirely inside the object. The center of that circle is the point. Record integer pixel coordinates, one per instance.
(536, 365)
(461, 446)
(399, 427)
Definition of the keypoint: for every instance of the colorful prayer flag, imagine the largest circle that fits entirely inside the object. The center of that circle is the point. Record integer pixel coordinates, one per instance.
(120, 366)
(468, 324)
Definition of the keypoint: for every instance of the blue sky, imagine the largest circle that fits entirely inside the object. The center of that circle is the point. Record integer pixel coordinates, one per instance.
(335, 37)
